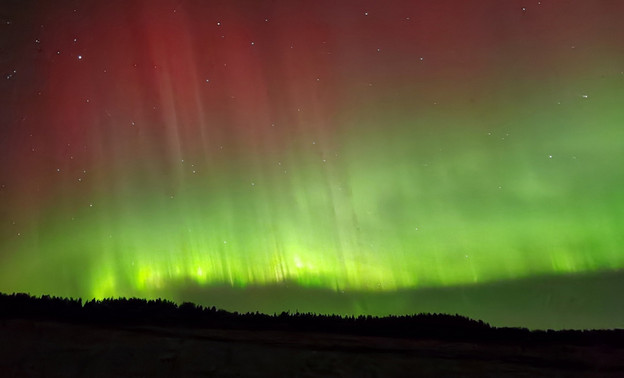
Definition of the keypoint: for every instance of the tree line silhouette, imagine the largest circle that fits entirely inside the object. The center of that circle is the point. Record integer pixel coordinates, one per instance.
(159, 312)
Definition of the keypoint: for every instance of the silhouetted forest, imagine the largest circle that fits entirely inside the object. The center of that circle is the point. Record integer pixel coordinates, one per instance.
(141, 312)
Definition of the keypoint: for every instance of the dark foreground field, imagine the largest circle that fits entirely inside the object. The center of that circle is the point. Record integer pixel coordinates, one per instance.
(61, 337)
(54, 349)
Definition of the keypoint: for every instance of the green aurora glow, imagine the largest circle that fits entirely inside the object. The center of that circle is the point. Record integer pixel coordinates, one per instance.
(408, 209)
(428, 181)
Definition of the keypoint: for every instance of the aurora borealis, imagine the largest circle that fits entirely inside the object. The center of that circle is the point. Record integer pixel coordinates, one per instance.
(363, 148)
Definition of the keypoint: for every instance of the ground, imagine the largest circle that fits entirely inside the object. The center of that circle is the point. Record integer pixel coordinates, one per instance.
(38, 348)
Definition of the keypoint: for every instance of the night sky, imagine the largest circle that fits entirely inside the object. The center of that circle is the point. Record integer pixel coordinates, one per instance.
(353, 157)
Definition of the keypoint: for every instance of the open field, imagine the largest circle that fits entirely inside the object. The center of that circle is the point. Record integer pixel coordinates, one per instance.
(43, 348)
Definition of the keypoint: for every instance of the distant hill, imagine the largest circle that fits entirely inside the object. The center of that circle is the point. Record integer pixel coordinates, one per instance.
(135, 311)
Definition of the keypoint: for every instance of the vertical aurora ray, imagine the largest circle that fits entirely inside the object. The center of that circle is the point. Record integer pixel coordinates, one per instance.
(152, 146)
